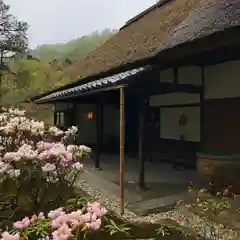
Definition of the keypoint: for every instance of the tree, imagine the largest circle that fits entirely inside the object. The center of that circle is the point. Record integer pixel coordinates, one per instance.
(13, 38)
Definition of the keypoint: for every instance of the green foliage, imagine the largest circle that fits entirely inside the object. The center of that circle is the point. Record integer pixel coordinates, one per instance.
(45, 69)
(13, 40)
(74, 49)
(211, 215)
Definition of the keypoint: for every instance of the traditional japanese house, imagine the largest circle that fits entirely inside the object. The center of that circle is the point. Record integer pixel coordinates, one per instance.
(177, 69)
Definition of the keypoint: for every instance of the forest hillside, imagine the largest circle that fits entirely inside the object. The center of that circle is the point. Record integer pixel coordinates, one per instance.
(73, 49)
(45, 70)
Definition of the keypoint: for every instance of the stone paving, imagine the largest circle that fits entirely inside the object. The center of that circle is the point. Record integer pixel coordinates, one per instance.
(165, 185)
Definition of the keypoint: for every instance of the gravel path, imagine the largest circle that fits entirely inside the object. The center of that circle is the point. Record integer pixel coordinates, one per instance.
(112, 203)
(206, 229)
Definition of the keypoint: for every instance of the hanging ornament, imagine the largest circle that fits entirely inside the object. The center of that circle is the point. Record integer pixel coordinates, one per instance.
(183, 120)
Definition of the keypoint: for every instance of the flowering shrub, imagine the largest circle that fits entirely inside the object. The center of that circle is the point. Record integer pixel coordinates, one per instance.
(38, 164)
(38, 168)
(16, 129)
(58, 224)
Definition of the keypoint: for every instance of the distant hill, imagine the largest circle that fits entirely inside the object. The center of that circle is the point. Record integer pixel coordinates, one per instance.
(44, 68)
(74, 48)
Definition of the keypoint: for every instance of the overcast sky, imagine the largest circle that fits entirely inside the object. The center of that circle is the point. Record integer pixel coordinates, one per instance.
(53, 21)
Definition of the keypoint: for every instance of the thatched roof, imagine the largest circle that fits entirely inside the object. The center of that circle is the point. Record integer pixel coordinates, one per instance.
(166, 25)
(163, 26)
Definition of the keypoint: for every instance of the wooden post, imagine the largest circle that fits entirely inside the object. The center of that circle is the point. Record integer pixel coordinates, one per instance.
(75, 122)
(55, 116)
(202, 140)
(122, 152)
(74, 114)
(99, 126)
(141, 146)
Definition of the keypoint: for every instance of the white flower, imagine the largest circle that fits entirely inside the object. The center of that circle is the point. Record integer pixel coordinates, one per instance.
(17, 172)
(70, 148)
(85, 149)
(48, 167)
(77, 166)
(13, 173)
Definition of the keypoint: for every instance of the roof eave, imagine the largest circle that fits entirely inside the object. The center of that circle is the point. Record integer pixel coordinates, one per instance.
(163, 55)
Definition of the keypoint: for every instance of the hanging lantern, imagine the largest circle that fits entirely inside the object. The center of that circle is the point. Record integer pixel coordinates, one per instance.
(90, 115)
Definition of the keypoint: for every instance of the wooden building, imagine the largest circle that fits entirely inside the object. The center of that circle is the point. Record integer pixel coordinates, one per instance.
(172, 73)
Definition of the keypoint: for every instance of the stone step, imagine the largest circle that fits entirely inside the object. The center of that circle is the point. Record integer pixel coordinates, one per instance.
(112, 190)
(156, 205)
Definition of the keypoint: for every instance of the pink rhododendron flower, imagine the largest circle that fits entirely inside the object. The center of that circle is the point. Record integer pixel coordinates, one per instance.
(35, 217)
(70, 148)
(60, 220)
(43, 156)
(62, 233)
(86, 217)
(12, 156)
(2, 164)
(97, 209)
(75, 215)
(47, 145)
(95, 225)
(69, 156)
(25, 222)
(8, 236)
(53, 214)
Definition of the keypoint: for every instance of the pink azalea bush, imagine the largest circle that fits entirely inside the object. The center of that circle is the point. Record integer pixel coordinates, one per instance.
(39, 163)
(58, 224)
(38, 168)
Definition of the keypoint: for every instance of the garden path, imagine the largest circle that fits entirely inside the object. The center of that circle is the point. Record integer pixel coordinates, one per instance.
(165, 184)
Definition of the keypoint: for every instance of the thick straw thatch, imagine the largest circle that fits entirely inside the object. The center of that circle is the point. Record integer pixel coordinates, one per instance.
(166, 26)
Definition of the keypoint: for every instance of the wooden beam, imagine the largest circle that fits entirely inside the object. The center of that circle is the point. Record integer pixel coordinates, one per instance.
(141, 182)
(162, 88)
(180, 105)
(183, 88)
(202, 93)
(75, 120)
(121, 148)
(175, 75)
(75, 114)
(99, 132)
(55, 117)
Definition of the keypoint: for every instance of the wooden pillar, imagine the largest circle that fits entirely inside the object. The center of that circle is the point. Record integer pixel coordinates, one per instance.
(121, 148)
(141, 121)
(74, 111)
(55, 116)
(99, 132)
(75, 120)
(202, 125)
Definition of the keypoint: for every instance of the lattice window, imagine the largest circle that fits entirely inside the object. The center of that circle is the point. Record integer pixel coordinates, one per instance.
(60, 120)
